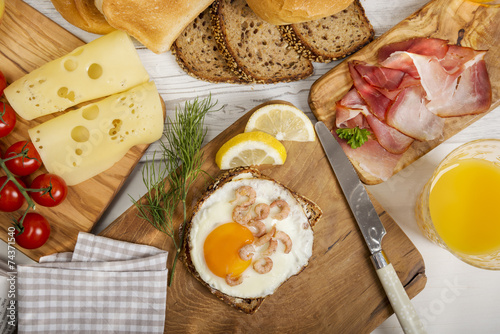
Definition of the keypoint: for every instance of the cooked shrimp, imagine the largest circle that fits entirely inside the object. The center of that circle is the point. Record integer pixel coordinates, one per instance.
(265, 238)
(245, 191)
(233, 281)
(285, 239)
(284, 209)
(259, 226)
(241, 214)
(273, 244)
(262, 211)
(246, 252)
(263, 265)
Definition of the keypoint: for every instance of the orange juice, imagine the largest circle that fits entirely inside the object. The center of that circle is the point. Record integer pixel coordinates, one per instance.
(464, 205)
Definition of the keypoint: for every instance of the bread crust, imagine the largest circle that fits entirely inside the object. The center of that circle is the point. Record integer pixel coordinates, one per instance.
(245, 305)
(304, 43)
(279, 12)
(84, 15)
(240, 64)
(197, 53)
(156, 24)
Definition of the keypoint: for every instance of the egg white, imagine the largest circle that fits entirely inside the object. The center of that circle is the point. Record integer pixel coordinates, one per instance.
(217, 210)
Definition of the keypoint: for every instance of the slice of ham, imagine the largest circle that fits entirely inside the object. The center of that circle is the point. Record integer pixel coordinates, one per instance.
(352, 107)
(436, 81)
(388, 137)
(388, 81)
(458, 58)
(455, 85)
(401, 60)
(349, 118)
(409, 115)
(371, 157)
(378, 76)
(348, 111)
(471, 96)
(422, 46)
(376, 102)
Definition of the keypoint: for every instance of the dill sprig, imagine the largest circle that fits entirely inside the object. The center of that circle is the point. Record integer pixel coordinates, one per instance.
(169, 180)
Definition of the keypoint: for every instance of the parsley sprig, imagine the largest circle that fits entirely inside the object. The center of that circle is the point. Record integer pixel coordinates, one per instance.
(355, 136)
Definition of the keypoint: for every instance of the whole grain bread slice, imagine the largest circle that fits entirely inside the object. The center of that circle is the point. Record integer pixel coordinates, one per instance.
(246, 305)
(197, 53)
(333, 37)
(253, 48)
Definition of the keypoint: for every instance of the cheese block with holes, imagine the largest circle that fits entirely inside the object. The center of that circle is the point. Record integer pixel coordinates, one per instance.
(105, 66)
(85, 142)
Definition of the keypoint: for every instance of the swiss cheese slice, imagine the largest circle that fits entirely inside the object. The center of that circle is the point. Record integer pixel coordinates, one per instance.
(87, 141)
(105, 66)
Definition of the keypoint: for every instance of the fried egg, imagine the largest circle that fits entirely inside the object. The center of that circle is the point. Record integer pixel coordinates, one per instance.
(215, 240)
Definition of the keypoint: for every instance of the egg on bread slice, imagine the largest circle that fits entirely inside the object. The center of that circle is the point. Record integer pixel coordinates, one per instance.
(248, 235)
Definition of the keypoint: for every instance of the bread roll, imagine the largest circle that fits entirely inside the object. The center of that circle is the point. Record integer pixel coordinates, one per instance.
(84, 15)
(281, 12)
(156, 24)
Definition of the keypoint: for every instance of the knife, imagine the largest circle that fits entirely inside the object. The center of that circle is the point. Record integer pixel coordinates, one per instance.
(372, 229)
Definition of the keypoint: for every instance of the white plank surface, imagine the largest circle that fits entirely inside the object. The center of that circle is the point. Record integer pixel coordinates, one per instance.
(458, 298)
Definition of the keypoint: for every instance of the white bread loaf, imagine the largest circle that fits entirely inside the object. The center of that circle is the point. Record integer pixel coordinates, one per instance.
(156, 24)
(281, 12)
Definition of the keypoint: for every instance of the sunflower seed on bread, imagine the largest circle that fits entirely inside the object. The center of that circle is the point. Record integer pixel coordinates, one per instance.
(330, 38)
(253, 48)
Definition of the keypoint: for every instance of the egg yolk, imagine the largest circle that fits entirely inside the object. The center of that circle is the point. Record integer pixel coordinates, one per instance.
(222, 246)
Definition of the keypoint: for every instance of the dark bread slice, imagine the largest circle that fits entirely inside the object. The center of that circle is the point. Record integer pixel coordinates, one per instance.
(198, 55)
(333, 37)
(247, 305)
(253, 48)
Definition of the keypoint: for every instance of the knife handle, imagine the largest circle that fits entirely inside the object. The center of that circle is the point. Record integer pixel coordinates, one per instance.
(400, 302)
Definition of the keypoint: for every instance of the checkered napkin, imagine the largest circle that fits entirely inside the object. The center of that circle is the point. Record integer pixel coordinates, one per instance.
(104, 286)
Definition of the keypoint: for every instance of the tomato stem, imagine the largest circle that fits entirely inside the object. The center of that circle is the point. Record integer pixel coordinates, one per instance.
(2, 114)
(23, 190)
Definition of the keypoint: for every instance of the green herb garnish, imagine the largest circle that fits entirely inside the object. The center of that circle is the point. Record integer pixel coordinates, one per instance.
(355, 136)
(168, 181)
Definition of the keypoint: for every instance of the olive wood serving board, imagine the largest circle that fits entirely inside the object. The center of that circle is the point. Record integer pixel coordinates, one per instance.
(28, 40)
(338, 292)
(458, 21)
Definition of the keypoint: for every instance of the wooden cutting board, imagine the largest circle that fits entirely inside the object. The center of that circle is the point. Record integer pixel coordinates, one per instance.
(28, 40)
(338, 292)
(458, 21)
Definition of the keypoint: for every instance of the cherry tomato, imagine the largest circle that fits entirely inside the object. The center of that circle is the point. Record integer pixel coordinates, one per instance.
(3, 83)
(55, 190)
(7, 119)
(36, 231)
(11, 199)
(22, 166)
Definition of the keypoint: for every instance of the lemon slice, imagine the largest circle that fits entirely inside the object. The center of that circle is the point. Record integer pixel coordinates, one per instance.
(283, 121)
(250, 149)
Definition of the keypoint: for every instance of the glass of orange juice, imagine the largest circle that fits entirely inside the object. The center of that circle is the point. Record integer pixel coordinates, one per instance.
(459, 207)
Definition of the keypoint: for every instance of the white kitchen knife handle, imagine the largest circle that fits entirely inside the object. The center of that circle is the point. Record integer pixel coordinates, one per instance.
(400, 302)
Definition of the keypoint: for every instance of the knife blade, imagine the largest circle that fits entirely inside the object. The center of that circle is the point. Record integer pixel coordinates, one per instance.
(371, 228)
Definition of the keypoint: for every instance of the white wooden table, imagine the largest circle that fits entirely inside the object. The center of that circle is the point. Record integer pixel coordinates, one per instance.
(458, 298)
